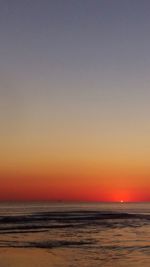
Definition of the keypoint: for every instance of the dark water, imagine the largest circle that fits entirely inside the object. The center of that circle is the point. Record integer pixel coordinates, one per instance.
(97, 234)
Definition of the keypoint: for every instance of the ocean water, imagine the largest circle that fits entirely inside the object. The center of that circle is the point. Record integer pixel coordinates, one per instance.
(79, 234)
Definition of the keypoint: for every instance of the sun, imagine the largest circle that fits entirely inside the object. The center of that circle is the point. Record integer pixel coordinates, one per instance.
(121, 201)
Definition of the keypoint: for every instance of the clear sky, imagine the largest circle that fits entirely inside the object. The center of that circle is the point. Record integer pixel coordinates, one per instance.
(75, 99)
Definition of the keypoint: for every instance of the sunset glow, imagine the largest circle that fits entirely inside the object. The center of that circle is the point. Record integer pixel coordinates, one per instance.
(74, 99)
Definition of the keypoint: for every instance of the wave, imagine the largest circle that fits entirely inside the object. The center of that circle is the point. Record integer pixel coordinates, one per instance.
(71, 244)
(44, 221)
(70, 229)
(45, 244)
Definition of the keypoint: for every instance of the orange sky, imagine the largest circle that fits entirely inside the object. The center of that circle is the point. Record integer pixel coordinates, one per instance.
(39, 178)
(75, 100)
(75, 163)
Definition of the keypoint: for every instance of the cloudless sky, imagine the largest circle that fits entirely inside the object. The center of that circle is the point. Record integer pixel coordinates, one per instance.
(74, 99)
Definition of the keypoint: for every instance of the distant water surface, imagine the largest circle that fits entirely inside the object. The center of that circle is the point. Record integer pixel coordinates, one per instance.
(86, 234)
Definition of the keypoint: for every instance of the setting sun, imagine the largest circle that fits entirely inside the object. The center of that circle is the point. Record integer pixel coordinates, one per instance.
(74, 133)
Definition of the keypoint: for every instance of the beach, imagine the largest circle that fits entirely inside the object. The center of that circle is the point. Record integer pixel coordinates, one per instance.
(74, 234)
(25, 257)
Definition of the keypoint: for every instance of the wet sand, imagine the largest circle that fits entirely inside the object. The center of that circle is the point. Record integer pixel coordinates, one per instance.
(13, 257)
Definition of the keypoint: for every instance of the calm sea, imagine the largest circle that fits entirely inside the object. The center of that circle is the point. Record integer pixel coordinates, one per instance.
(86, 234)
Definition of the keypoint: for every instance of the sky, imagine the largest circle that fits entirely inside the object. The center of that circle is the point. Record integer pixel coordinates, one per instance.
(74, 100)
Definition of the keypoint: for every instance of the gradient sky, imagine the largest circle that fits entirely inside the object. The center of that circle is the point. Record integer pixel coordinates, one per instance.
(75, 100)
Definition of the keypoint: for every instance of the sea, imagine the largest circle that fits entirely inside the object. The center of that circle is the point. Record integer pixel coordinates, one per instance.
(78, 234)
